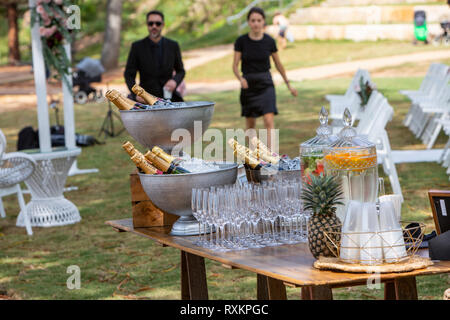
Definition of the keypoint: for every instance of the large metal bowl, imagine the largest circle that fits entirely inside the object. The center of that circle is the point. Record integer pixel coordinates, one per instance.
(154, 127)
(172, 192)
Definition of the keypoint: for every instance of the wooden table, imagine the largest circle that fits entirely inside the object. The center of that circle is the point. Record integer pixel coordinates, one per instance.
(276, 267)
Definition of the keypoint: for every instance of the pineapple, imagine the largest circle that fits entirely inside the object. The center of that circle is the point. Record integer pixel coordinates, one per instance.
(321, 196)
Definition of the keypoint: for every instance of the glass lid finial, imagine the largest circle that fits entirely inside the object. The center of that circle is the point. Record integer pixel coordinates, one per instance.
(347, 119)
(323, 116)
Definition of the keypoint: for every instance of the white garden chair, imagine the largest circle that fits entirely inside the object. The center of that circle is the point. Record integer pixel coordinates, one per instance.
(373, 126)
(343, 98)
(427, 82)
(434, 127)
(422, 125)
(368, 111)
(15, 167)
(445, 156)
(350, 99)
(437, 78)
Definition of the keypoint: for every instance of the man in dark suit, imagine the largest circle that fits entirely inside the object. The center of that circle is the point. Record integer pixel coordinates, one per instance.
(155, 58)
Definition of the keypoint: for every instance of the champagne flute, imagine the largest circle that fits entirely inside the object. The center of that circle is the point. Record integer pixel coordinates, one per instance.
(195, 212)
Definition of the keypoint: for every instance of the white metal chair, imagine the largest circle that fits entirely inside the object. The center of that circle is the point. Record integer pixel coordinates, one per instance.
(15, 167)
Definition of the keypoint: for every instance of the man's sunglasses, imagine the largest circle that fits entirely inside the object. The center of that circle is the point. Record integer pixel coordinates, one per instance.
(151, 23)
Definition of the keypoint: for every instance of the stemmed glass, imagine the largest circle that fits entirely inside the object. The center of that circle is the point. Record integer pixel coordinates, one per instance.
(239, 212)
(271, 202)
(199, 214)
(196, 213)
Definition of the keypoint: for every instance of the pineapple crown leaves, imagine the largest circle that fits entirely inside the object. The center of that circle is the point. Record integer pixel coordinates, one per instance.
(322, 194)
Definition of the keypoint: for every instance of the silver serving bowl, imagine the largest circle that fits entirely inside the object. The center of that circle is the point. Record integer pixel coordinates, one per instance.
(155, 127)
(255, 176)
(290, 175)
(172, 192)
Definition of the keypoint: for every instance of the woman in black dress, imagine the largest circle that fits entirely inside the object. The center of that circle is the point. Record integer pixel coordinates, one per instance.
(254, 49)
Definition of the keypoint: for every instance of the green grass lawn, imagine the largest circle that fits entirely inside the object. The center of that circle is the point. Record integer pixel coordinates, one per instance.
(123, 266)
(312, 53)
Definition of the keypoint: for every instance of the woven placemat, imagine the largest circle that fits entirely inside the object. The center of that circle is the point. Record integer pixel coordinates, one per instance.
(412, 263)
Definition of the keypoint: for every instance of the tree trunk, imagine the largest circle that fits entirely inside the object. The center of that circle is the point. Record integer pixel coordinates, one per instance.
(111, 43)
(13, 34)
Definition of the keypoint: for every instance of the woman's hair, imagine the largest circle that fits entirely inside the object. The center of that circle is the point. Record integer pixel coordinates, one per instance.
(256, 10)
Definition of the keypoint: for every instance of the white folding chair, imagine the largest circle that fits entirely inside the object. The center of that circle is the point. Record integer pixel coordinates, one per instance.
(15, 167)
(368, 112)
(427, 82)
(435, 82)
(374, 128)
(350, 100)
(445, 156)
(348, 93)
(423, 124)
(437, 114)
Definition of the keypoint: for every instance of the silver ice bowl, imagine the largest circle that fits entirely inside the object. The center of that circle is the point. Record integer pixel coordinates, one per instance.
(172, 192)
(155, 127)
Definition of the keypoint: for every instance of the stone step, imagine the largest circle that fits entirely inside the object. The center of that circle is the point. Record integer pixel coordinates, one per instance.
(356, 32)
(367, 14)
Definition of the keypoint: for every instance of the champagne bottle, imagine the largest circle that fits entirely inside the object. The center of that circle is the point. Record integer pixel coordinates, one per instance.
(244, 153)
(169, 158)
(142, 164)
(236, 146)
(122, 102)
(263, 152)
(149, 98)
(163, 165)
(132, 151)
(129, 148)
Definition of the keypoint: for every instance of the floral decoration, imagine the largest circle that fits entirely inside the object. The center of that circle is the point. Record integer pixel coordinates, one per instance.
(364, 90)
(52, 18)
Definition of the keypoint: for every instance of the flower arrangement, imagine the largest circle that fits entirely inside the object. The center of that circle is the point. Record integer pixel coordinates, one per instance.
(364, 90)
(52, 18)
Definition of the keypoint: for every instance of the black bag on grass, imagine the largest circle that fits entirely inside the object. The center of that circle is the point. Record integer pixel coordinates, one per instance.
(28, 139)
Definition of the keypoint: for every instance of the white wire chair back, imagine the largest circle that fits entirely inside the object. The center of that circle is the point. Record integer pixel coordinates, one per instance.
(15, 167)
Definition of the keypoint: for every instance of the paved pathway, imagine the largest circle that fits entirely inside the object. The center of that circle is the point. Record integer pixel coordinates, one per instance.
(201, 56)
(197, 57)
(327, 70)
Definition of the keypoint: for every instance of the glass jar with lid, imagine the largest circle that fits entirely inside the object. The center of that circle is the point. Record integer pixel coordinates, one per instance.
(312, 150)
(353, 159)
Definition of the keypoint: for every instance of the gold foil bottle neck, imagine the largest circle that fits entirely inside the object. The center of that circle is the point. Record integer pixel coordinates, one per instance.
(142, 164)
(129, 148)
(139, 91)
(244, 154)
(167, 157)
(158, 162)
(263, 152)
(120, 101)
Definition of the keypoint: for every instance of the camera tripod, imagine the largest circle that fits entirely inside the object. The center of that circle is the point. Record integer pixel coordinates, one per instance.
(108, 123)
